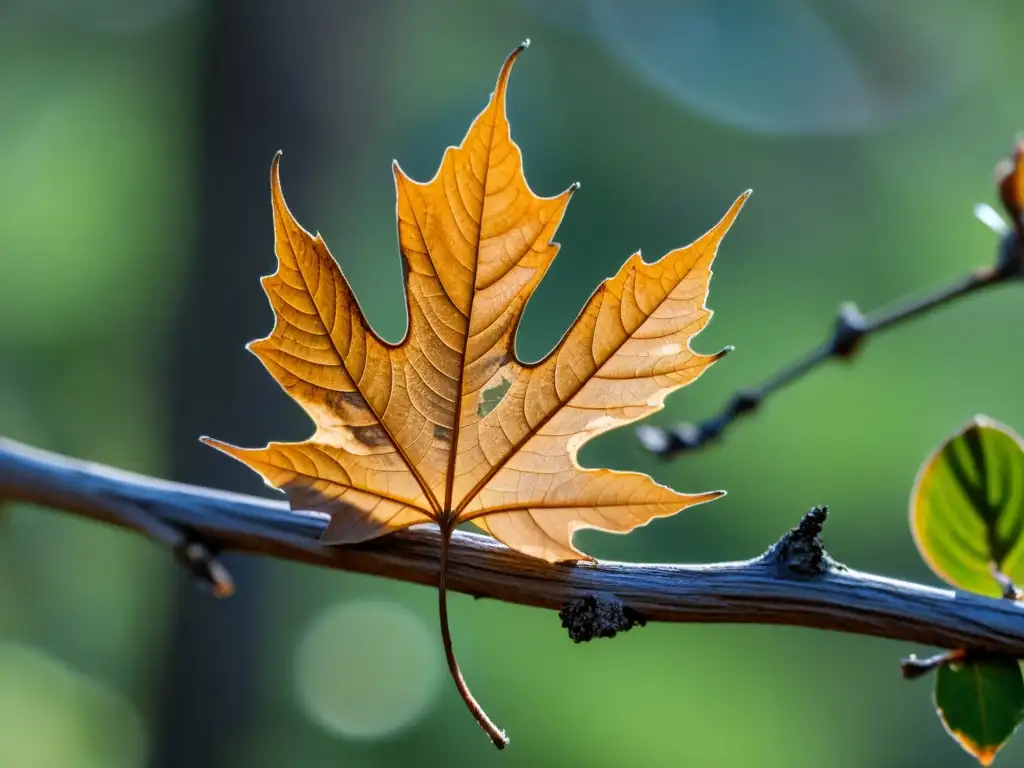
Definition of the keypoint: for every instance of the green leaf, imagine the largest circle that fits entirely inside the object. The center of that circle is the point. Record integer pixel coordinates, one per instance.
(967, 508)
(980, 703)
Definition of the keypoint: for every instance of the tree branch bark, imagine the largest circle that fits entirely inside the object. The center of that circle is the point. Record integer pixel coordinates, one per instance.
(763, 590)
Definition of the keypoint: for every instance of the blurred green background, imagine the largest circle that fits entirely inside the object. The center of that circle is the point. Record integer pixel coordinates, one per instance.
(135, 142)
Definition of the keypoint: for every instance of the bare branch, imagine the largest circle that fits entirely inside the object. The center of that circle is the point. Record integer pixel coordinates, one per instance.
(849, 332)
(765, 590)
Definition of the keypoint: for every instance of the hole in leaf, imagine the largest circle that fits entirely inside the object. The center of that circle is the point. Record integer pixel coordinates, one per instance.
(493, 395)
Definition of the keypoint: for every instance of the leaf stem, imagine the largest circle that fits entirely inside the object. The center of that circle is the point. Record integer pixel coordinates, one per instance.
(497, 736)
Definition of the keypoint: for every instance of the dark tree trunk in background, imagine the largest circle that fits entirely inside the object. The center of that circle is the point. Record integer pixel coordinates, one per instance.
(267, 67)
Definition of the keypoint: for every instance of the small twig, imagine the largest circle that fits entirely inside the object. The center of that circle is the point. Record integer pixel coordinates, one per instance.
(849, 332)
(852, 328)
(913, 667)
(206, 568)
(189, 550)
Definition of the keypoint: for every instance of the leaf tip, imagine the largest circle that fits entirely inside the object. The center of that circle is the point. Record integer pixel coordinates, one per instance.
(214, 443)
(401, 177)
(276, 195)
(985, 755)
(221, 446)
(693, 499)
(256, 347)
(727, 220)
(506, 68)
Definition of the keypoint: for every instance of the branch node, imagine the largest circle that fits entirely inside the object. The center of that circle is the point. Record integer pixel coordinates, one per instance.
(848, 332)
(203, 564)
(800, 551)
(593, 616)
(745, 401)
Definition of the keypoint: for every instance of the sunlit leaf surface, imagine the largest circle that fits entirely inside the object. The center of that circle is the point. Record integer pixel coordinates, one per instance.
(967, 508)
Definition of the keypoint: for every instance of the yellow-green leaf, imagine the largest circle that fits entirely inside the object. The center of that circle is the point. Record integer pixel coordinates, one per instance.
(967, 508)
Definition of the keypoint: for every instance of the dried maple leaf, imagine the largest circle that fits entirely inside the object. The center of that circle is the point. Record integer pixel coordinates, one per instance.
(449, 426)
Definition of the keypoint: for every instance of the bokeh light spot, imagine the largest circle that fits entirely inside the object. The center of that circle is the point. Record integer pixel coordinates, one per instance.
(368, 669)
(53, 717)
(792, 66)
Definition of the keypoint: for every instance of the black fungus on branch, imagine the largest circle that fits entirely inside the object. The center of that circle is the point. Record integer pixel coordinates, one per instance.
(593, 616)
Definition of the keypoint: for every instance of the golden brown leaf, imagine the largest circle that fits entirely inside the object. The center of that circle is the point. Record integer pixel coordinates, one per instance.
(449, 425)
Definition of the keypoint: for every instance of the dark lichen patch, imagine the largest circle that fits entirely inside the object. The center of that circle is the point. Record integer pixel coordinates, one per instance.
(594, 616)
(347, 402)
(492, 396)
(443, 433)
(370, 436)
(355, 399)
(800, 551)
